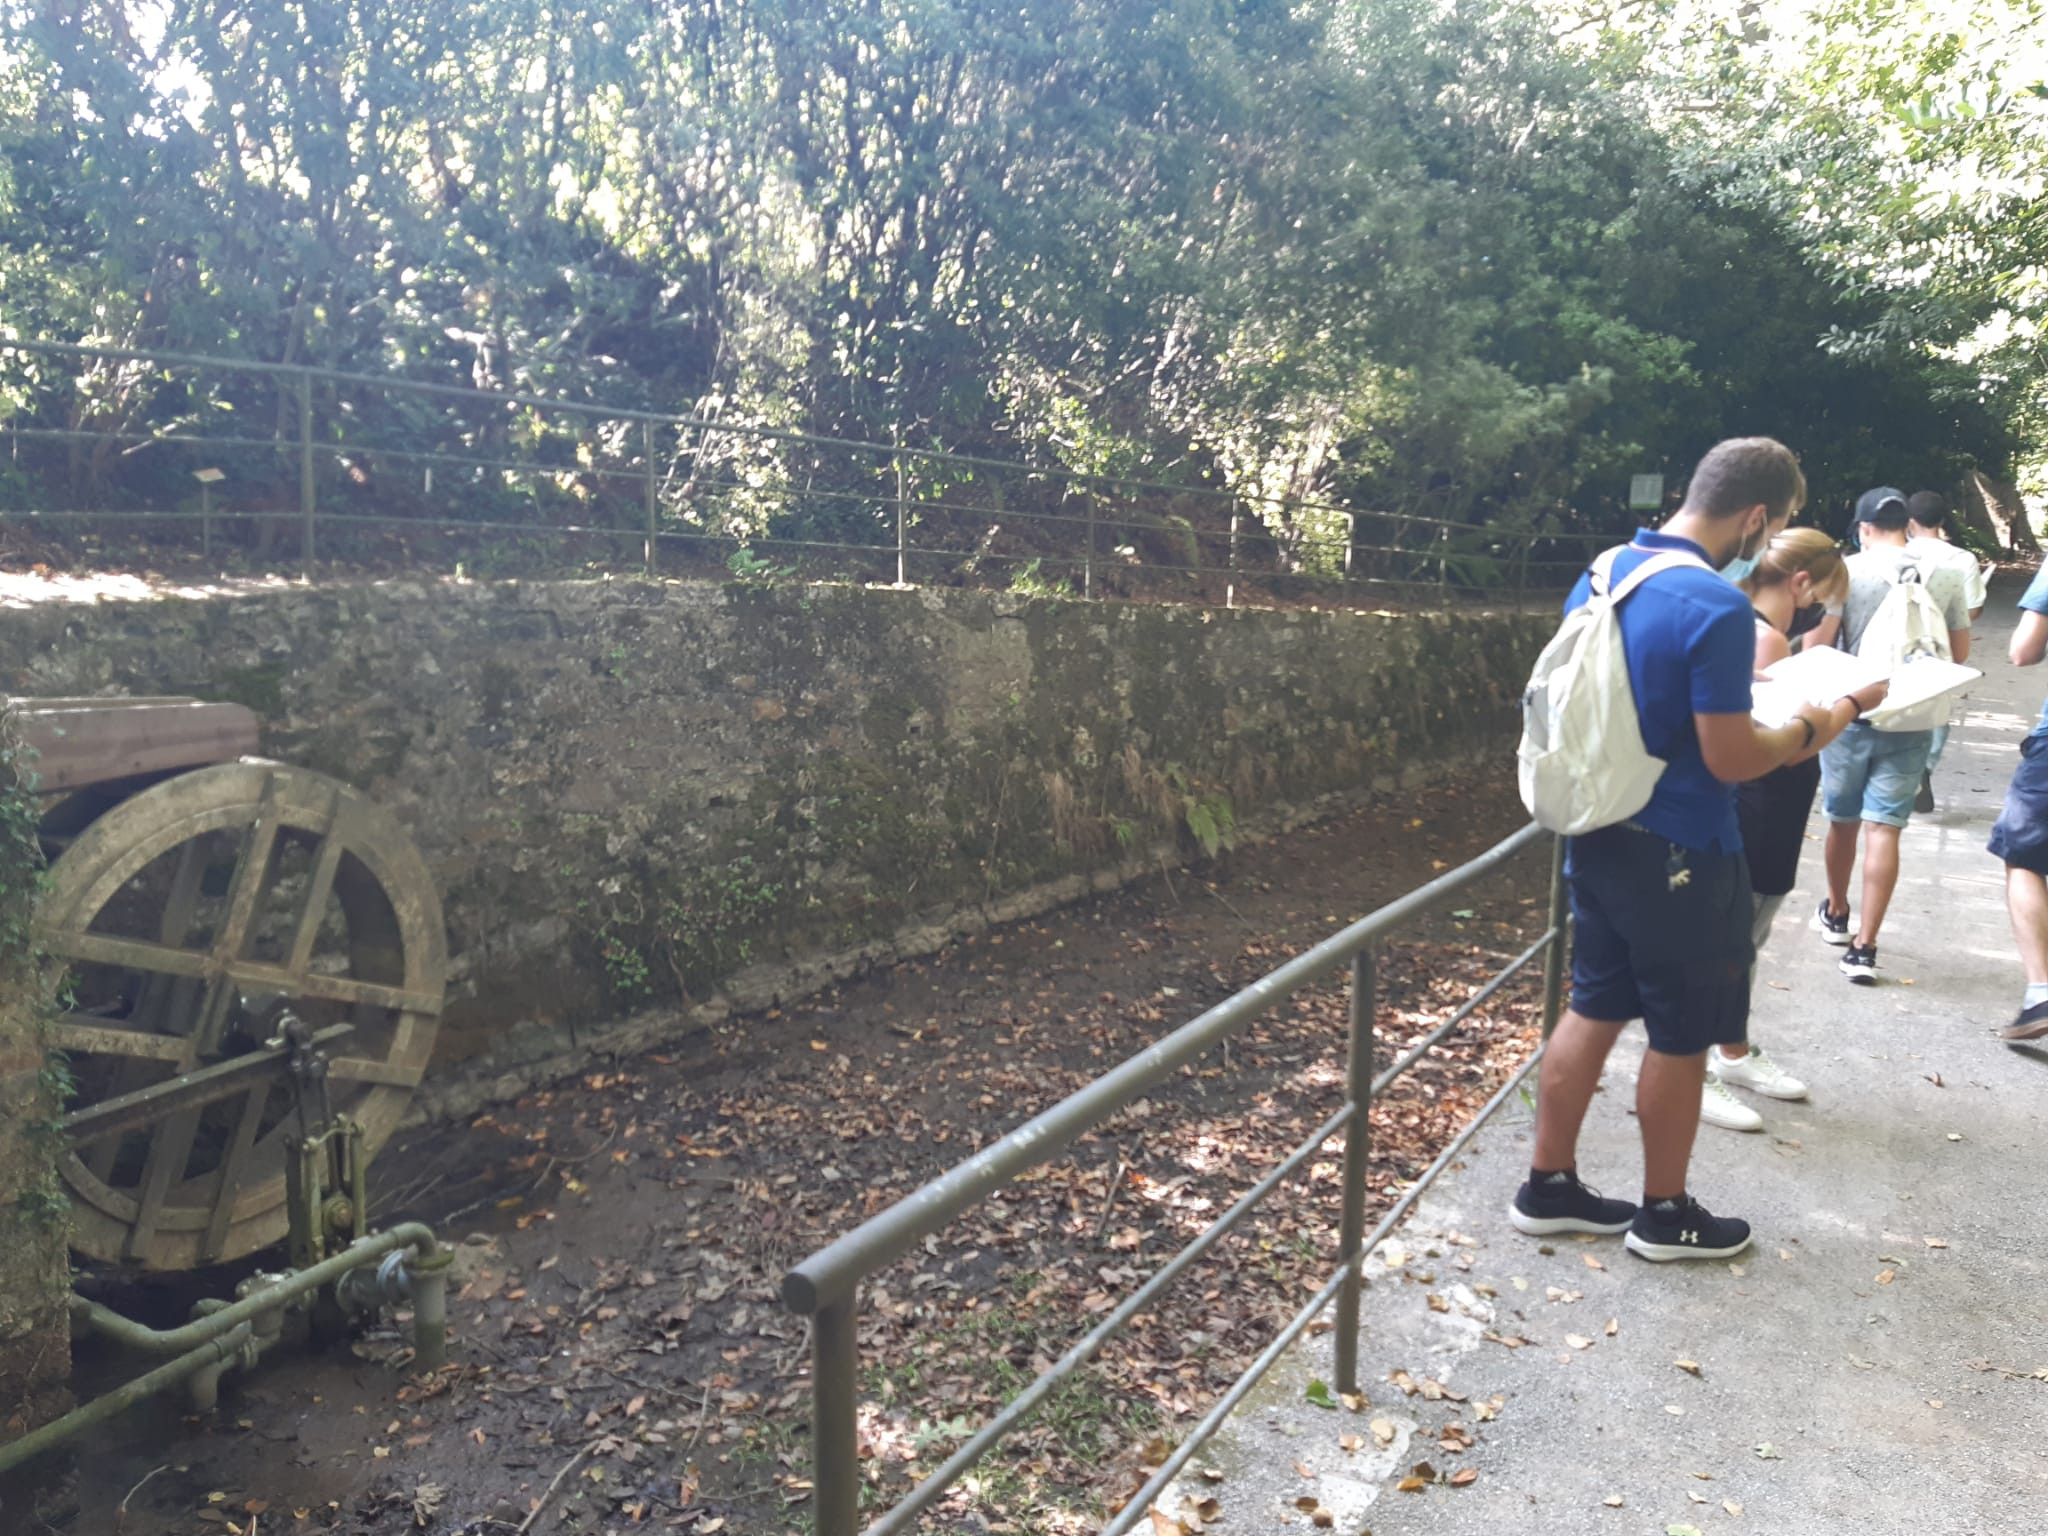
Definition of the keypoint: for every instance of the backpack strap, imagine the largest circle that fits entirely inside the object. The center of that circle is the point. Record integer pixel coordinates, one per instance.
(1668, 560)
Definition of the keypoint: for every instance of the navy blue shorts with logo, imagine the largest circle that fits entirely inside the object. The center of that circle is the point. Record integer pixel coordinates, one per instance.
(2020, 835)
(1661, 934)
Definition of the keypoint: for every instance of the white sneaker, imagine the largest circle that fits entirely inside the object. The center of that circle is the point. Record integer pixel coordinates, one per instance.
(1759, 1074)
(1720, 1107)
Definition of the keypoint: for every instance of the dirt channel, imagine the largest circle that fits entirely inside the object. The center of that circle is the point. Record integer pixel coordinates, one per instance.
(621, 1356)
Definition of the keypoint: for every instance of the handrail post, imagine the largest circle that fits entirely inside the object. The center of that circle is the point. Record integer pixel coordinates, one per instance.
(306, 501)
(835, 1431)
(1554, 958)
(653, 502)
(1357, 1157)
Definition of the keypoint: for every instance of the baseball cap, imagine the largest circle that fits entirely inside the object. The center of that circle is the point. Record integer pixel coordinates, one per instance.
(1883, 505)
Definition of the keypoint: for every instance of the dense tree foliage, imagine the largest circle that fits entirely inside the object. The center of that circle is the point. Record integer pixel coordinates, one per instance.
(1479, 261)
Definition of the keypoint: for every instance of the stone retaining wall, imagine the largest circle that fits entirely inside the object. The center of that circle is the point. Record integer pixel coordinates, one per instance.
(646, 803)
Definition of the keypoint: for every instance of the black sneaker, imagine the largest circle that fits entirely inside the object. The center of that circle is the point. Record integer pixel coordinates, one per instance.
(2032, 1024)
(1924, 801)
(1832, 929)
(1859, 964)
(1560, 1203)
(1684, 1229)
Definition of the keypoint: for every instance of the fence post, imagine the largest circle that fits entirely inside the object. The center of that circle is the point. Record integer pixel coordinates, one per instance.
(902, 496)
(1230, 586)
(306, 503)
(1088, 551)
(653, 501)
(1350, 541)
(1357, 1155)
(835, 1432)
(1554, 956)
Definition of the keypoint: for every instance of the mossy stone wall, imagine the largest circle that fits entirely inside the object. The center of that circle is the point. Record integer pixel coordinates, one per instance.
(659, 801)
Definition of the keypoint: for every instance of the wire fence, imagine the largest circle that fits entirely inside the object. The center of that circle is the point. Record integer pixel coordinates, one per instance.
(269, 466)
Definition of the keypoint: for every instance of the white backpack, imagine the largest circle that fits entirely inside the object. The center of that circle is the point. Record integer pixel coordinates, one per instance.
(1907, 627)
(1582, 762)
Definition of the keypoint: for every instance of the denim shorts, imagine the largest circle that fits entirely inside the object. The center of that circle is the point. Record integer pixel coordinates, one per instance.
(2020, 835)
(1662, 934)
(1872, 775)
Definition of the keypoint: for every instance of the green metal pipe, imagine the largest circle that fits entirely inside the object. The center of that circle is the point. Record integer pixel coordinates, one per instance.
(411, 1234)
(217, 1351)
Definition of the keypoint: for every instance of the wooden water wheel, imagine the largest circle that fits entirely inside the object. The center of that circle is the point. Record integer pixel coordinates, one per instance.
(190, 914)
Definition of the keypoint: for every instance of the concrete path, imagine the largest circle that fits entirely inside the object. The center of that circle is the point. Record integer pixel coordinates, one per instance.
(1877, 1363)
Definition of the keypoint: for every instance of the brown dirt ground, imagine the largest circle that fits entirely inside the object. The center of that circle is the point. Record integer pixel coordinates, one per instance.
(623, 1233)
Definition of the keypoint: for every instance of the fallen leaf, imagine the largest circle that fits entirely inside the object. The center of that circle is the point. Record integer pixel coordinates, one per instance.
(1590, 1261)
(1737, 1271)
(1681, 1530)
(1308, 1501)
(1304, 1469)
(1518, 1282)
(1578, 1341)
(1934, 1078)
(1690, 1367)
(1563, 1298)
(1355, 1401)
(1612, 1501)
(1731, 1506)
(1674, 1410)
(1955, 1135)
(1383, 1432)
(1351, 1442)
(1768, 1452)
(1464, 1477)
(1488, 1410)
(1437, 1303)
(1322, 1519)
(1935, 1242)
(1425, 1471)
(1164, 1524)
(1935, 1402)
(1613, 1326)
(1886, 1276)
(1318, 1393)
(1411, 1485)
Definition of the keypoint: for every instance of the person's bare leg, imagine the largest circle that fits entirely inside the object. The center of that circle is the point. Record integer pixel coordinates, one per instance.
(1668, 1114)
(1880, 877)
(2026, 903)
(1839, 856)
(1565, 1083)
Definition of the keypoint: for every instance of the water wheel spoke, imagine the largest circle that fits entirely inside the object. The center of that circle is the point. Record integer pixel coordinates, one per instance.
(320, 885)
(84, 1032)
(161, 993)
(359, 1069)
(332, 989)
(252, 875)
(228, 1187)
(169, 1150)
(135, 954)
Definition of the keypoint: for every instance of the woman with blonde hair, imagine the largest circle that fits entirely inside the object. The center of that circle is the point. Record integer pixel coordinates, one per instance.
(1796, 579)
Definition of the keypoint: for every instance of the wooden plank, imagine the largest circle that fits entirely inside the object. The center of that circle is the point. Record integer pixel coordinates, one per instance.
(169, 1150)
(89, 742)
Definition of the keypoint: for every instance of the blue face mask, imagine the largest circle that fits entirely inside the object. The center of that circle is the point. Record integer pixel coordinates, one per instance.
(1739, 568)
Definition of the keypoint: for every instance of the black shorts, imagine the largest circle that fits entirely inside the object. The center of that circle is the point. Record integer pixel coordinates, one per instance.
(1661, 934)
(2020, 835)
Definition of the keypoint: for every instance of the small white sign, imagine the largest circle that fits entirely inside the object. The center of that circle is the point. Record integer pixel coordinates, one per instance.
(1645, 493)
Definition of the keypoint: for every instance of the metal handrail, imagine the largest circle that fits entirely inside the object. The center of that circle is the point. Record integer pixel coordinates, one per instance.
(1512, 553)
(825, 1286)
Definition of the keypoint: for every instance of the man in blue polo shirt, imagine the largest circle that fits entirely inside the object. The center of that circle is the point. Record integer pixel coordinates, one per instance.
(1661, 903)
(2020, 835)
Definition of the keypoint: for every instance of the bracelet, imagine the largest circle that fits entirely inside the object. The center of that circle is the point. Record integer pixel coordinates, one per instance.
(1810, 733)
